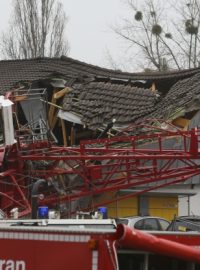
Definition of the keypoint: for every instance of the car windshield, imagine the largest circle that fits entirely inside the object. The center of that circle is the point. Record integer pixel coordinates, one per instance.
(164, 224)
(185, 224)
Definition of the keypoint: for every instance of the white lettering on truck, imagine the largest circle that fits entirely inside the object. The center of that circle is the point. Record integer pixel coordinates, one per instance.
(12, 265)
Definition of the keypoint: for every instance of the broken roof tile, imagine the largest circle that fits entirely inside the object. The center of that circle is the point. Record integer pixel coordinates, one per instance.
(131, 105)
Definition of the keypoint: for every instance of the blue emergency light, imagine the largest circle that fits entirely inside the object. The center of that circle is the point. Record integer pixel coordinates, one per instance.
(103, 211)
(43, 212)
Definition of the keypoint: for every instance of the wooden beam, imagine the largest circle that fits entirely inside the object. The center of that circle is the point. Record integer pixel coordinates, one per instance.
(62, 92)
(55, 119)
(53, 104)
(153, 87)
(64, 133)
(20, 98)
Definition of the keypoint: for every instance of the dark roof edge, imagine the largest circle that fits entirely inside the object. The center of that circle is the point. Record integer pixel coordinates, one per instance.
(139, 75)
(30, 59)
(142, 75)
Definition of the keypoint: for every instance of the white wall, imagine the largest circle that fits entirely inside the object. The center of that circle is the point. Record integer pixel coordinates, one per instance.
(191, 206)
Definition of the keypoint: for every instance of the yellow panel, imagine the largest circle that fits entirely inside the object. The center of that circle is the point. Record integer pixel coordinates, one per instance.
(167, 213)
(112, 212)
(181, 122)
(165, 207)
(126, 212)
(163, 202)
(128, 202)
(121, 208)
(124, 208)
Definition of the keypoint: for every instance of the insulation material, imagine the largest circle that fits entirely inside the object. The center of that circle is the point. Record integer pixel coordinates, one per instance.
(6, 106)
(68, 116)
(34, 109)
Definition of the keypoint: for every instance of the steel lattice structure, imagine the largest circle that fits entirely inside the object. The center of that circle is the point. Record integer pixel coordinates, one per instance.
(97, 166)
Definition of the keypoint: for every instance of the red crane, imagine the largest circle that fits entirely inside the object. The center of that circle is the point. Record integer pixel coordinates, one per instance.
(70, 174)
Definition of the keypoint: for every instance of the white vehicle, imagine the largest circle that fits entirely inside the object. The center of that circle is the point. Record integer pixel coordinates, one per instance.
(148, 223)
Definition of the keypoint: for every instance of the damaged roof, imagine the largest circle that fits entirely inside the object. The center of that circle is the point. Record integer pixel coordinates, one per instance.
(100, 95)
(15, 71)
(183, 97)
(98, 103)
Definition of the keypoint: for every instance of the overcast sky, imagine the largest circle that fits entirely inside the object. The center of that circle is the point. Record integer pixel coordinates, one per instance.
(88, 29)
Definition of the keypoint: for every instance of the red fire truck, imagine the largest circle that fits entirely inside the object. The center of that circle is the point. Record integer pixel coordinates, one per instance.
(93, 245)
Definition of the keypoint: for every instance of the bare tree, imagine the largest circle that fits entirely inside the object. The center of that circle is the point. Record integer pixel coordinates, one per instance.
(148, 31)
(36, 30)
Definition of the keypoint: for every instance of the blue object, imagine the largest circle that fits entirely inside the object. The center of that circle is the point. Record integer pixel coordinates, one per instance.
(103, 211)
(43, 212)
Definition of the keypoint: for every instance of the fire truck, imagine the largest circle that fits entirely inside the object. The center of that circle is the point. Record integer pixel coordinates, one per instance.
(35, 171)
(93, 245)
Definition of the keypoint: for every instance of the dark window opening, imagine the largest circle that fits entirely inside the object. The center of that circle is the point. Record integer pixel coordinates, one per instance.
(130, 260)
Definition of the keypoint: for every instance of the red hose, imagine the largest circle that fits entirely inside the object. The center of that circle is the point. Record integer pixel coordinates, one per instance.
(131, 238)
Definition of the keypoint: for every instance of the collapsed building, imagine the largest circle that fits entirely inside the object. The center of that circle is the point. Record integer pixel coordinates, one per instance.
(68, 101)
